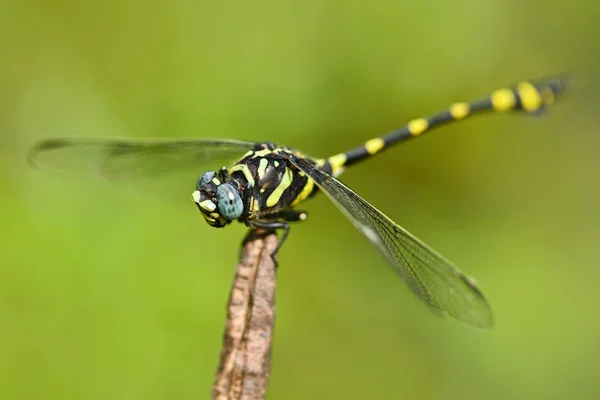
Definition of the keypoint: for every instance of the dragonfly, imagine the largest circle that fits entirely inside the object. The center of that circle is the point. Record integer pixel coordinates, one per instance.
(261, 183)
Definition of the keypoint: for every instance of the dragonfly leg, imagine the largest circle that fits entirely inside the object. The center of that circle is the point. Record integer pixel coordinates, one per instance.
(275, 221)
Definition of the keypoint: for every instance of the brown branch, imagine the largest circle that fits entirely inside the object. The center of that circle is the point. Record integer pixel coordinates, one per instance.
(245, 362)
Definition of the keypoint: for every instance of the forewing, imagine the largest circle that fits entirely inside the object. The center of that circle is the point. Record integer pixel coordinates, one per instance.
(167, 167)
(433, 278)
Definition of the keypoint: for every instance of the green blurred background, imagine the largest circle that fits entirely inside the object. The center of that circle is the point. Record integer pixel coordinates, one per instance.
(112, 294)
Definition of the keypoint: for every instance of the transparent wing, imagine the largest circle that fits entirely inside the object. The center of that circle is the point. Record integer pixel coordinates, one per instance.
(437, 281)
(167, 167)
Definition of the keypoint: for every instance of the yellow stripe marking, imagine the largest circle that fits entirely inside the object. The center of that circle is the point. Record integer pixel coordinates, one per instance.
(249, 153)
(530, 97)
(216, 181)
(245, 170)
(207, 217)
(261, 153)
(306, 190)
(255, 206)
(503, 100)
(374, 145)
(321, 162)
(262, 167)
(460, 110)
(286, 181)
(276, 163)
(338, 161)
(418, 126)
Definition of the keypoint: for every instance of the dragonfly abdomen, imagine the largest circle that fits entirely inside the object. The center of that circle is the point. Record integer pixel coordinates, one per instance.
(532, 97)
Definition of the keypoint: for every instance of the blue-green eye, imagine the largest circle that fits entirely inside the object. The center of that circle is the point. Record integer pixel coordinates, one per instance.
(205, 178)
(229, 201)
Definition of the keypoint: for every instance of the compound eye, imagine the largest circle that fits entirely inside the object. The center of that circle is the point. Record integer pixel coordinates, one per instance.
(204, 179)
(229, 201)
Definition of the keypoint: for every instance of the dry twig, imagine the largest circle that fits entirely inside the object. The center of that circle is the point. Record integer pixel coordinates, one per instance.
(245, 363)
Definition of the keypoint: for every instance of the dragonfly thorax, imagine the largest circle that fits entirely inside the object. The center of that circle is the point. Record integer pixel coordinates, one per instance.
(218, 199)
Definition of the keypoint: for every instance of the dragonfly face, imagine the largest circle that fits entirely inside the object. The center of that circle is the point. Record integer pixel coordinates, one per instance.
(218, 200)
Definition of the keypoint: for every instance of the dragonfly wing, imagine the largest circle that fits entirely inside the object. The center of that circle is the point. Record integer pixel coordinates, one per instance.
(167, 167)
(433, 278)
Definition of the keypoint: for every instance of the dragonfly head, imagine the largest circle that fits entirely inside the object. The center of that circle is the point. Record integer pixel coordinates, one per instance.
(219, 202)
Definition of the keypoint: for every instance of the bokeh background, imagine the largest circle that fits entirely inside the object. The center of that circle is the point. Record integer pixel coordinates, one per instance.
(108, 293)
